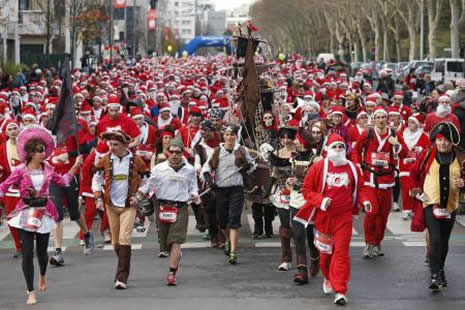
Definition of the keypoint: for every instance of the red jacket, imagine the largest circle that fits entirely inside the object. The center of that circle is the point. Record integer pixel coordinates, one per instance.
(373, 147)
(407, 162)
(85, 186)
(315, 186)
(6, 166)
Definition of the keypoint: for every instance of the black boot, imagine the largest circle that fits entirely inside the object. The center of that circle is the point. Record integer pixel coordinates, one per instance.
(257, 214)
(269, 217)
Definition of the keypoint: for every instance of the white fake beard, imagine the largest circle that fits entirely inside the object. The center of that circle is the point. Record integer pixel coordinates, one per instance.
(338, 158)
(443, 110)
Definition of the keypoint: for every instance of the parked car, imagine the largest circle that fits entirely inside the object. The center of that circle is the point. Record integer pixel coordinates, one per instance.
(424, 69)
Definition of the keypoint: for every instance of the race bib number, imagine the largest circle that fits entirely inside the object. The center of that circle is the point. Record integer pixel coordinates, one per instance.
(380, 159)
(31, 219)
(440, 213)
(324, 243)
(168, 214)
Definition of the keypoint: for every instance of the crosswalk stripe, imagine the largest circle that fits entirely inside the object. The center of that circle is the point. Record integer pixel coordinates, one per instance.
(397, 226)
(70, 229)
(414, 243)
(4, 231)
(51, 249)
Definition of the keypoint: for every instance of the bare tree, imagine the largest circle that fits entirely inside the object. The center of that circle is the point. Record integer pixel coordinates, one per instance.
(433, 7)
(408, 12)
(457, 17)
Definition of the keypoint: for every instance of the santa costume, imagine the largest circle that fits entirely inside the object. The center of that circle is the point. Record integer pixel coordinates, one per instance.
(332, 188)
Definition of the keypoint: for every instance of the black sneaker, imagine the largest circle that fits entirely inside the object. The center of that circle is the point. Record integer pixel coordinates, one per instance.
(435, 284)
(442, 278)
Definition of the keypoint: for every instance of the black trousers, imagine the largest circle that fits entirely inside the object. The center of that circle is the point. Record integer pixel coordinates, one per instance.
(439, 235)
(263, 214)
(27, 244)
(396, 190)
(210, 208)
(303, 237)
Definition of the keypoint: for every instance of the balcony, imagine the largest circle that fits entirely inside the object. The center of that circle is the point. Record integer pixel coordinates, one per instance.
(32, 23)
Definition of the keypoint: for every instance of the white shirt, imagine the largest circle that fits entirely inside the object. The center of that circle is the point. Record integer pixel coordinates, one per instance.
(168, 184)
(120, 183)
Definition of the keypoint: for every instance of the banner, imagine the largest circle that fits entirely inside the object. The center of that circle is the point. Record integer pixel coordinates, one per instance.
(119, 4)
(152, 19)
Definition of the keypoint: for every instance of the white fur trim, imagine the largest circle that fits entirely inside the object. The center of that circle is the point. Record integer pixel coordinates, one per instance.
(324, 204)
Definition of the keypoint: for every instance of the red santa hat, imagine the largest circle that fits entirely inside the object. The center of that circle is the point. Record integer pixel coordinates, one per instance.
(380, 109)
(86, 108)
(399, 94)
(102, 149)
(361, 113)
(393, 110)
(418, 118)
(136, 112)
(164, 107)
(308, 94)
(334, 139)
(10, 122)
(29, 113)
(113, 101)
(444, 97)
(336, 110)
(195, 110)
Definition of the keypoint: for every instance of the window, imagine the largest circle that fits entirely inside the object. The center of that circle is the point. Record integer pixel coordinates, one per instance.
(439, 66)
(455, 66)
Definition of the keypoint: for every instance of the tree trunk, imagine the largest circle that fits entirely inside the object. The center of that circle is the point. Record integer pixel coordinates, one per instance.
(396, 30)
(433, 8)
(363, 41)
(455, 22)
(377, 40)
(357, 49)
(48, 36)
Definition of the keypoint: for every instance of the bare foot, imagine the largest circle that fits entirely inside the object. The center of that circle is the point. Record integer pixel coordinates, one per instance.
(43, 283)
(31, 299)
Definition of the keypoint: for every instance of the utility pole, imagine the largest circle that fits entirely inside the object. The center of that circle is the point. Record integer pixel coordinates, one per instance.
(110, 30)
(422, 28)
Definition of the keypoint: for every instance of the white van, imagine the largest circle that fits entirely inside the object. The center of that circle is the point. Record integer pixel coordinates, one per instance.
(447, 69)
(326, 57)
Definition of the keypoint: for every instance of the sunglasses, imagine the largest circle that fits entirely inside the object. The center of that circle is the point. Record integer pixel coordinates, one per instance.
(40, 149)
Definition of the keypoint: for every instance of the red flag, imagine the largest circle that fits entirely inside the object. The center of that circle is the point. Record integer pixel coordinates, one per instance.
(252, 27)
(119, 4)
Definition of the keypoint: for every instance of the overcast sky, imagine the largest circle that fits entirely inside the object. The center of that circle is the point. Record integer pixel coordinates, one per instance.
(229, 4)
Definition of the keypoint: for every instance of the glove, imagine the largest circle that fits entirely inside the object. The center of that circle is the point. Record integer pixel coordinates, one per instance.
(367, 206)
(209, 180)
(246, 167)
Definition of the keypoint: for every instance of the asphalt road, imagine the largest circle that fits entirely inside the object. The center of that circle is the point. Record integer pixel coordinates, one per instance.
(206, 281)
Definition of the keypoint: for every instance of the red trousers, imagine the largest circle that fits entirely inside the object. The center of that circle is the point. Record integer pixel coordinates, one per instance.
(10, 205)
(89, 215)
(375, 221)
(407, 201)
(336, 266)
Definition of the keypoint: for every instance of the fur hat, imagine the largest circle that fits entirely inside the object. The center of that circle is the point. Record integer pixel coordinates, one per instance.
(117, 135)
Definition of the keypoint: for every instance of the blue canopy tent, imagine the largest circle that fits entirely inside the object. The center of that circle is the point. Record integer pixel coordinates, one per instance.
(205, 41)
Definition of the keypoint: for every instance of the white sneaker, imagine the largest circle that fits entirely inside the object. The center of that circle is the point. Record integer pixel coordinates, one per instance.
(120, 285)
(405, 215)
(285, 266)
(340, 299)
(327, 288)
(395, 206)
(81, 243)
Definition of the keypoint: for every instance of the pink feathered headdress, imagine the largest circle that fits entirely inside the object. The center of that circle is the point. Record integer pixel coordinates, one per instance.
(34, 132)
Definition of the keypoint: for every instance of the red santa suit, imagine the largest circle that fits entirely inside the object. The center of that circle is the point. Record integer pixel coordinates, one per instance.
(85, 188)
(433, 118)
(355, 131)
(122, 122)
(341, 185)
(377, 156)
(8, 160)
(147, 140)
(415, 142)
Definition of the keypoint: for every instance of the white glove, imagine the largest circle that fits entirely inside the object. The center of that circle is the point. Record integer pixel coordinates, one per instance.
(266, 148)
